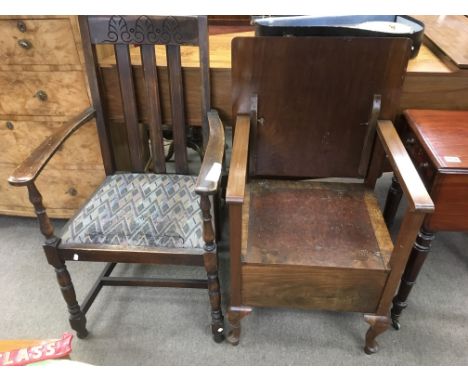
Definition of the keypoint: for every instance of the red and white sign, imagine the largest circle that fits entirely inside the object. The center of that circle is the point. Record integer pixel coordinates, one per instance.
(47, 350)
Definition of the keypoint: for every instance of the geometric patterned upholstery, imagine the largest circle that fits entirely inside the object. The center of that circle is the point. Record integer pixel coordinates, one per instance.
(151, 210)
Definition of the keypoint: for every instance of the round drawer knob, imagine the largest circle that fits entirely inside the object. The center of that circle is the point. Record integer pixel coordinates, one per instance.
(72, 191)
(25, 44)
(10, 125)
(42, 95)
(21, 26)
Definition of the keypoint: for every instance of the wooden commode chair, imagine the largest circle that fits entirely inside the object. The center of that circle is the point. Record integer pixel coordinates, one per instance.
(308, 109)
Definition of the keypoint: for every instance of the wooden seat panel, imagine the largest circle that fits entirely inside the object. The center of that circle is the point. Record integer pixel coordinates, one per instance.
(348, 232)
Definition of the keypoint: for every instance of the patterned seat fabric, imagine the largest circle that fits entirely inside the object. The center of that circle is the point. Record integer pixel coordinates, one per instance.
(151, 210)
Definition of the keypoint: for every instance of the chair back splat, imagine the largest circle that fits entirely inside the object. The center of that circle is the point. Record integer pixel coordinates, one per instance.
(143, 115)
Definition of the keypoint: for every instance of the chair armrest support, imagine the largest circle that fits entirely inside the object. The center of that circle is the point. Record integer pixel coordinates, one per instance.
(210, 171)
(412, 185)
(32, 166)
(239, 161)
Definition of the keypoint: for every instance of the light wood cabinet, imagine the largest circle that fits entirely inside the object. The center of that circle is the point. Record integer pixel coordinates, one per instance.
(42, 85)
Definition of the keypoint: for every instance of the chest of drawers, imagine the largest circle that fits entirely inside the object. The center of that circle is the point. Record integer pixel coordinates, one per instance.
(42, 85)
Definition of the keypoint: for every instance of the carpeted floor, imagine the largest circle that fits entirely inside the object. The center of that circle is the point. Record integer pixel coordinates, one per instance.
(156, 326)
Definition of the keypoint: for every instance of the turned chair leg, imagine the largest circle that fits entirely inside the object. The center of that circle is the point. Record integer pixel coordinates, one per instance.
(416, 260)
(210, 259)
(77, 318)
(214, 292)
(378, 325)
(394, 196)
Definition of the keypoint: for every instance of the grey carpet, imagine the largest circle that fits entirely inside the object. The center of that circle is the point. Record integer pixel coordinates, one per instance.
(157, 326)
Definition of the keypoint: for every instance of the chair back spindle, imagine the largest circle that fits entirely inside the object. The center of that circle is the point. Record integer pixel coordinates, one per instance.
(177, 107)
(148, 60)
(124, 32)
(127, 88)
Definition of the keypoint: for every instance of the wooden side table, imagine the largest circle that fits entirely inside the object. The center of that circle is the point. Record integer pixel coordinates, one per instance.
(437, 142)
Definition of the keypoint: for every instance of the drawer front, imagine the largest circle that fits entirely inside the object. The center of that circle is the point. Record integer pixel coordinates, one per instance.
(63, 191)
(419, 157)
(450, 196)
(42, 93)
(47, 41)
(19, 138)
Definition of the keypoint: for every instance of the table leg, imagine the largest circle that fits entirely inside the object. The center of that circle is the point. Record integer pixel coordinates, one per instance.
(415, 262)
(393, 200)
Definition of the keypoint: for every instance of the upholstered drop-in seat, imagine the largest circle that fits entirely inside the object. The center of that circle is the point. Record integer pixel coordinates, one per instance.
(150, 210)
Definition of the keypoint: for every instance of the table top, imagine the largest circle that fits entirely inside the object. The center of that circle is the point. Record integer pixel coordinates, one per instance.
(444, 136)
(220, 40)
(450, 34)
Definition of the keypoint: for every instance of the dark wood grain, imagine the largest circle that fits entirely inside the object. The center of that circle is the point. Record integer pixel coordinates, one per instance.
(148, 59)
(436, 142)
(214, 293)
(310, 111)
(312, 287)
(410, 226)
(141, 255)
(429, 83)
(427, 126)
(204, 75)
(136, 139)
(378, 325)
(370, 135)
(177, 108)
(341, 236)
(213, 158)
(302, 113)
(133, 142)
(415, 262)
(45, 224)
(408, 177)
(95, 87)
(36, 161)
(451, 201)
(131, 29)
(239, 158)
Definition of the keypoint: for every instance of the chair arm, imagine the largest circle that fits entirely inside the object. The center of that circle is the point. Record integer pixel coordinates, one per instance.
(210, 171)
(32, 166)
(412, 185)
(239, 160)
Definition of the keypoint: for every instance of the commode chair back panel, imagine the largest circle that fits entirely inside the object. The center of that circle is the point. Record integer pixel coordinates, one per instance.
(145, 32)
(315, 96)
